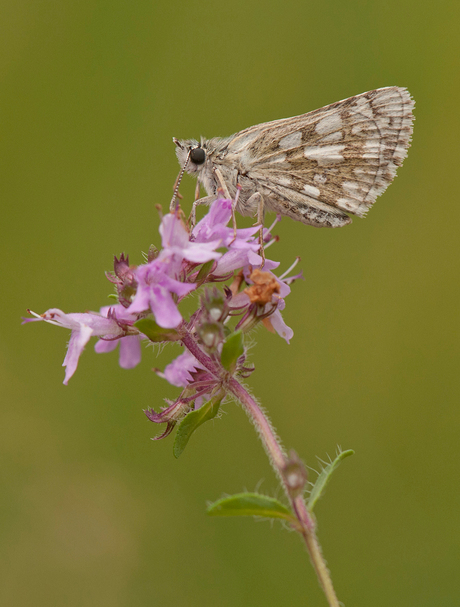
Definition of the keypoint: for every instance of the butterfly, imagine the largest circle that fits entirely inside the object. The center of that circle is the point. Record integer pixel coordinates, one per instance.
(316, 168)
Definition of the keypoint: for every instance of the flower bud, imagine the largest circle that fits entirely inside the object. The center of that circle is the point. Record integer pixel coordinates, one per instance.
(215, 305)
(294, 474)
(124, 279)
(211, 335)
(152, 253)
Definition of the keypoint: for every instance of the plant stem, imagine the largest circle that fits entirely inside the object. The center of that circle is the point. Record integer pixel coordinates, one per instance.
(278, 460)
(201, 357)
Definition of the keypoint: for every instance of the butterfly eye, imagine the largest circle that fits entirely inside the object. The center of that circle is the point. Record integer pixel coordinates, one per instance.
(198, 155)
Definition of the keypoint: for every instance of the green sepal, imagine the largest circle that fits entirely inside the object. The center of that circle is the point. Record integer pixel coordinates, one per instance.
(113, 296)
(204, 271)
(193, 420)
(251, 504)
(324, 476)
(232, 349)
(154, 332)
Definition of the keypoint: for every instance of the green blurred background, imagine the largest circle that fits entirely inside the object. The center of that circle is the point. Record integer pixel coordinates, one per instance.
(93, 513)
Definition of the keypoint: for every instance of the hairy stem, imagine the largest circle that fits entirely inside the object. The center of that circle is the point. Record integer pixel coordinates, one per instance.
(278, 460)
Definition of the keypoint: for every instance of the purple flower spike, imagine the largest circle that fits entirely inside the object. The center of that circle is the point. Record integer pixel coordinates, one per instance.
(157, 287)
(240, 246)
(214, 221)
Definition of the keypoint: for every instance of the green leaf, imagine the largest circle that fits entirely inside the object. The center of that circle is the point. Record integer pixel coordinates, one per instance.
(232, 349)
(250, 504)
(324, 476)
(154, 332)
(193, 420)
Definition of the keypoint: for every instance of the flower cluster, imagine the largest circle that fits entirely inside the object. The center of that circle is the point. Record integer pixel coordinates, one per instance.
(149, 296)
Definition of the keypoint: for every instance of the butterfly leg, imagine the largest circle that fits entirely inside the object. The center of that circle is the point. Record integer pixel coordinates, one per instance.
(197, 190)
(234, 205)
(192, 216)
(223, 185)
(204, 200)
(257, 201)
(260, 220)
(221, 180)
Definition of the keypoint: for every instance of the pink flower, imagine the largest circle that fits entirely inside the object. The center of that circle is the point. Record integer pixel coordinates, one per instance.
(185, 371)
(83, 326)
(177, 243)
(158, 286)
(268, 308)
(240, 246)
(179, 371)
(159, 280)
(130, 345)
(155, 287)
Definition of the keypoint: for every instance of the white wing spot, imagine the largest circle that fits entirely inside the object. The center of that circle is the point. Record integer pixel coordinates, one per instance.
(285, 181)
(320, 178)
(325, 155)
(311, 190)
(292, 140)
(337, 136)
(331, 123)
(278, 158)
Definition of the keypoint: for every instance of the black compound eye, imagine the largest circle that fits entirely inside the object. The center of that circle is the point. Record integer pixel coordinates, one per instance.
(198, 155)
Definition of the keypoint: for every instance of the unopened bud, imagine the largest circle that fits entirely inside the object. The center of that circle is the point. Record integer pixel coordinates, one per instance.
(153, 253)
(215, 305)
(211, 335)
(294, 474)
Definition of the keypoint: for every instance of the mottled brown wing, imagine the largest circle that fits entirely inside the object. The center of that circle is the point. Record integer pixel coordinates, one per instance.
(343, 155)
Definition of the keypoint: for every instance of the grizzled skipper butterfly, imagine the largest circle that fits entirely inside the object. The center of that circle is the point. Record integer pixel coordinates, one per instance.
(314, 168)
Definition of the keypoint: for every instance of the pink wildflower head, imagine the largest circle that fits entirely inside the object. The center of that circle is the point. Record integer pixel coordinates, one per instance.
(149, 296)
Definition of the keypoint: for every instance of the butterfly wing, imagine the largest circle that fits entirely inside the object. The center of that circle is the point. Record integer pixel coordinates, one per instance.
(341, 156)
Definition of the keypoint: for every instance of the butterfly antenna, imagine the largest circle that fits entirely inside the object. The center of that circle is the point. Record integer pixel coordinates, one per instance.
(172, 206)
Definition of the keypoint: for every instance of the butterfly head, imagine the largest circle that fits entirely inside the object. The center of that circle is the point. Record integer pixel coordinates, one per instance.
(192, 155)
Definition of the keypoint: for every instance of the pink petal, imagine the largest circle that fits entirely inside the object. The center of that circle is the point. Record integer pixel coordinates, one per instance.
(280, 326)
(130, 351)
(164, 309)
(77, 342)
(104, 345)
